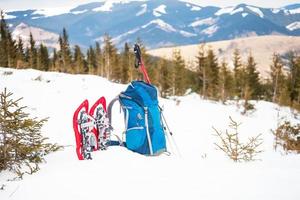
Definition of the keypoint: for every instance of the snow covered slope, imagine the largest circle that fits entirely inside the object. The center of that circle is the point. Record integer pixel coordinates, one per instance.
(200, 173)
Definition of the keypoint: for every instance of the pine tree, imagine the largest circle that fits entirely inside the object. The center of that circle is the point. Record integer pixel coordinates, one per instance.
(98, 57)
(32, 53)
(294, 79)
(22, 146)
(127, 63)
(43, 61)
(167, 78)
(3, 41)
(65, 52)
(11, 51)
(212, 74)
(277, 77)
(225, 82)
(20, 54)
(79, 61)
(54, 61)
(91, 61)
(252, 78)
(109, 56)
(202, 69)
(238, 73)
(179, 68)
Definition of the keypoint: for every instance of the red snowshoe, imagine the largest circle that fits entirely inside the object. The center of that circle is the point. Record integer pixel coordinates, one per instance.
(90, 128)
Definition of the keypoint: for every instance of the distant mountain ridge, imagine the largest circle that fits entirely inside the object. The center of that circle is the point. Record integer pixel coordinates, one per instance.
(159, 23)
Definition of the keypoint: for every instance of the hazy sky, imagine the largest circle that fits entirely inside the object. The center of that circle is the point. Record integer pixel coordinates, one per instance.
(26, 4)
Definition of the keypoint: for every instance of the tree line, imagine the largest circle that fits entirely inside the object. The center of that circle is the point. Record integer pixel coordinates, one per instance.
(211, 79)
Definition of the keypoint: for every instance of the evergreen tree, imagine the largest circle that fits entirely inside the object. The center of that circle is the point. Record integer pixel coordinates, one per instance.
(98, 57)
(202, 70)
(22, 146)
(3, 41)
(127, 63)
(225, 82)
(91, 61)
(167, 78)
(109, 57)
(65, 52)
(79, 61)
(32, 53)
(294, 79)
(179, 68)
(43, 61)
(252, 83)
(8, 49)
(11, 51)
(277, 77)
(238, 73)
(20, 54)
(55, 61)
(212, 74)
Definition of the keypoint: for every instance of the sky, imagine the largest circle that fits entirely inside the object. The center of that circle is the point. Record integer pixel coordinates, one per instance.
(27, 4)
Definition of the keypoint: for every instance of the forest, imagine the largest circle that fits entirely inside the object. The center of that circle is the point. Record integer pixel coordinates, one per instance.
(211, 79)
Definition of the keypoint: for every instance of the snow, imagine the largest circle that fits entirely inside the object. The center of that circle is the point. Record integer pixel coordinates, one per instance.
(187, 34)
(160, 10)
(6, 16)
(119, 38)
(143, 10)
(108, 5)
(201, 172)
(295, 11)
(256, 10)
(48, 12)
(276, 10)
(161, 24)
(40, 35)
(226, 10)
(293, 26)
(206, 21)
(195, 8)
(210, 30)
(79, 12)
(236, 11)
(244, 14)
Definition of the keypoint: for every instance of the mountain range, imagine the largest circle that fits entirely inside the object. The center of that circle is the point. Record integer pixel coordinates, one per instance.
(158, 23)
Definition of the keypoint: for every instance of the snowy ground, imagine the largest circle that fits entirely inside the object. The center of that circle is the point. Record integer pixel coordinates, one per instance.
(201, 172)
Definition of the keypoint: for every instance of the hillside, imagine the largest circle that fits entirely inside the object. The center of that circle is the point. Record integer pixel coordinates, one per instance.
(201, 172)
(158, 23)
(261, 47)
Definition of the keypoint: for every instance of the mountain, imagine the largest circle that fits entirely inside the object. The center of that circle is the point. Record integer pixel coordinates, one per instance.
(160, 23)
(42, 36)
(261, 47)
(201, 172)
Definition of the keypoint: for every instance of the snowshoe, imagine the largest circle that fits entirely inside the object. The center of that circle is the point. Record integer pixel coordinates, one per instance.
(91, 128)
(99, 114)
(86, 140)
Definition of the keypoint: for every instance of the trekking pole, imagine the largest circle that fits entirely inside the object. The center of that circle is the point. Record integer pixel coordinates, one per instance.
(170, 132)
(139, 62)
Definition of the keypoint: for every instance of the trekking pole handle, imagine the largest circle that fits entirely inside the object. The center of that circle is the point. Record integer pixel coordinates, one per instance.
(138, 56)
(139, 62)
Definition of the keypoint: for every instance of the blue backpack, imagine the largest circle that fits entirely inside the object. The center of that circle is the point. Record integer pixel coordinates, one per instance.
(143, 122)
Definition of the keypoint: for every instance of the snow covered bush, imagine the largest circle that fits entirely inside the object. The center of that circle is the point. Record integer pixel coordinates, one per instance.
(287, 136)
(22, 147)
(231, 145)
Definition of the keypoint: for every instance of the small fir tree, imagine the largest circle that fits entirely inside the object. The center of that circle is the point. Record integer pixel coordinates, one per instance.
(22, 146)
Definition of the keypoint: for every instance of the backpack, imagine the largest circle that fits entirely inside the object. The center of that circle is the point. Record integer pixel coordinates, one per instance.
(143, 121)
